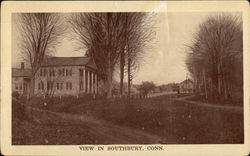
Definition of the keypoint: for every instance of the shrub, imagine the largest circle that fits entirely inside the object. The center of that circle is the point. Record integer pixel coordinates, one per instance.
(15, 94)
(18, 110)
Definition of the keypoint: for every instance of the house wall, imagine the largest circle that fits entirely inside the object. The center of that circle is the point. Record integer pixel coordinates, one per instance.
(20, 85)
(186, 87)
(17, 84)
(75, 82)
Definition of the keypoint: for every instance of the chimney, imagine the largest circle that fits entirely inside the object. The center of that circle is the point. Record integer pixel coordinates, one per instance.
(22, 65)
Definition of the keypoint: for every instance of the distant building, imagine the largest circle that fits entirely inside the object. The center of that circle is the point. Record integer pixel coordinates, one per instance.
(21, 80)
(186, 86)
(59, 76)
(175, 87)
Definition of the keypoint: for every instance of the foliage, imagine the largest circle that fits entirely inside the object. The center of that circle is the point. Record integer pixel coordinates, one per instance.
(215, 59)
(15, 94)
(146, 87)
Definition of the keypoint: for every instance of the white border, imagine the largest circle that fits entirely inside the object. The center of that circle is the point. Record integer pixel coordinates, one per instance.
(117, 6)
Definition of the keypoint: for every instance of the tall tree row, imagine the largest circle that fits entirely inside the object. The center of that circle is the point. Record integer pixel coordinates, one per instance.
(111, 39)
(39, 33)
(215, 59)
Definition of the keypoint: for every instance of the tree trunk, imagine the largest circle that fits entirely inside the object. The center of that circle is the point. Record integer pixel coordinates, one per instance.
(225, 89)
(225, 85)
(109, 70)
(32, 86)
(109, 81)
(219, 80)
(121, 72)
(129, 76)
(205, 85)
(195, 83)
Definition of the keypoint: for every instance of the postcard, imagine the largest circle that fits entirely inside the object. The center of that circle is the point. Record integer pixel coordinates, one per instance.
(125, 77)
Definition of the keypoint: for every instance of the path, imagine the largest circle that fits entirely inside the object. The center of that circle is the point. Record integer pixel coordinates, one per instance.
(108, 131)
(216, 106)
(161, 93)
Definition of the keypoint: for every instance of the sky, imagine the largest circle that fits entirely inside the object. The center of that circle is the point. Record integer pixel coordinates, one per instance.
(163, 63)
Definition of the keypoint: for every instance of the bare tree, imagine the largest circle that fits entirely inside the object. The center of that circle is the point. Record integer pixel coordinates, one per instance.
(146, 87)
(101, 34)
(138, 36)
(108, 38)
(216, 55)
(39, 33)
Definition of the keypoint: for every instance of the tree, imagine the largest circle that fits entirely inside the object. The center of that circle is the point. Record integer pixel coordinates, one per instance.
(105, 36)
(146, 87)
(139, 33)
(215, 59)
(39, 33)
(101, 35)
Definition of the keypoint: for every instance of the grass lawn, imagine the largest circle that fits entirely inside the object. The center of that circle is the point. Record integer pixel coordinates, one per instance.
(29, 133)
(175, 122)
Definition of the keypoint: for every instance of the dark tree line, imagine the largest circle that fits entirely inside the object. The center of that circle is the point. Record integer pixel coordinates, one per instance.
(216, 57)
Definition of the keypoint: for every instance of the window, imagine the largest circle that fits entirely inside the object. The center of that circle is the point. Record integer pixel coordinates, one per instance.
(81, 72)
(41, 72)
(44, 72)
(61, 86)
(25, 86)
(66, 72)
(16, 86)
(20, 87)
(70, 72)
(70, 85)
(53, 72)
(59, 72)
(57, 86)
(42, 86)
(63, 72)
(81, 85)
(50, 72)
(48, 85)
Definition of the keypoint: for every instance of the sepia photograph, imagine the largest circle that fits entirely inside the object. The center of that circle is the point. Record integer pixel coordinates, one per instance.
(129, 84)
(127, 78)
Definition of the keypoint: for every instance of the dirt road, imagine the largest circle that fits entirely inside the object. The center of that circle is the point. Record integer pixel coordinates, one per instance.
(103, 129)
(208, 105)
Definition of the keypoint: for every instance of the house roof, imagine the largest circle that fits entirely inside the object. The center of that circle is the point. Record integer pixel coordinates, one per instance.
(17, 72)
(187, 81)
(69, 61)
